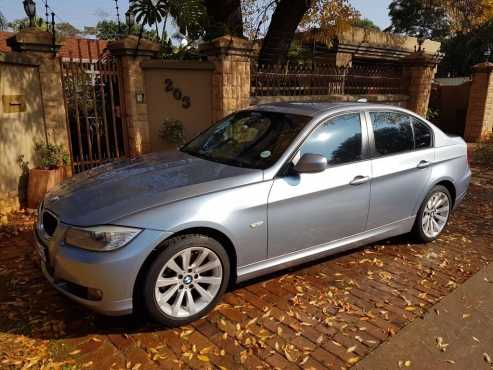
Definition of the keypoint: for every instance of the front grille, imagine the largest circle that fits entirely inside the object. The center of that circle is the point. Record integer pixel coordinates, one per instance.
(49, 223)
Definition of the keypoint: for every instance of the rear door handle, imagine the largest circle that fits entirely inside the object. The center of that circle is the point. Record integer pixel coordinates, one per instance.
(423, 164)
(359, 180)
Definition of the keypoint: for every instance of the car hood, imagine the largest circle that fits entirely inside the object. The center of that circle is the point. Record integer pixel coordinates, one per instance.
(121, 188)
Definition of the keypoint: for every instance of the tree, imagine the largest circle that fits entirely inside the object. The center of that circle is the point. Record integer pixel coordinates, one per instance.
(438, 19)
(23, 23)
(65, 29)
(323, 18)
(3, 22)
(188, 15)
(224, 17)
(365, 23)
(108, 30)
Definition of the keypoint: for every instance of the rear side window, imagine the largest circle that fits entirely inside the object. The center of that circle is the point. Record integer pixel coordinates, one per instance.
(339, 140)
(393, 132)
(422, 134)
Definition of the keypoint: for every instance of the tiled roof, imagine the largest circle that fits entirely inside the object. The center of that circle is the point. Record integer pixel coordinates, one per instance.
(73, 47)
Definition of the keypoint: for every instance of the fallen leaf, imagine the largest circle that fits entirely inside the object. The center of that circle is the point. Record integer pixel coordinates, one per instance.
(487, 358)
(351, 349)
(203, 358)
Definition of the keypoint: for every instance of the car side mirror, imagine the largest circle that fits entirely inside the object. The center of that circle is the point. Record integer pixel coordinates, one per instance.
(311, 163)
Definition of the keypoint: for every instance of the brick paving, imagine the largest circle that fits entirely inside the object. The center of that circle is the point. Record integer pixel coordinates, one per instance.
(328, 314)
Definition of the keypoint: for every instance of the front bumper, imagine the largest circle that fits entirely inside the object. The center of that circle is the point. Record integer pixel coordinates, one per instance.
(74, 271)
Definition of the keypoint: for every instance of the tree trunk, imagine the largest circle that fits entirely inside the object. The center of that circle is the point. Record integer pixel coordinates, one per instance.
(224, 18)
(283, 25)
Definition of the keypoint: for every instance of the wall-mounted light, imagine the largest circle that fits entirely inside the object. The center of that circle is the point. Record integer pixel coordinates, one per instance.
(30, 9)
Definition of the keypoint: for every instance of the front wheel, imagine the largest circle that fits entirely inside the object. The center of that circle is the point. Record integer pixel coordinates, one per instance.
(433, 214)
(186, 279)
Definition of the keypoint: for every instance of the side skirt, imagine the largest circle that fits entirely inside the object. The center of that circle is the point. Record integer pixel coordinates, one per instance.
(322, 250)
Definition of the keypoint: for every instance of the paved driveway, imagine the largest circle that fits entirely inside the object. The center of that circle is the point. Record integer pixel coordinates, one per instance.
(328, 314)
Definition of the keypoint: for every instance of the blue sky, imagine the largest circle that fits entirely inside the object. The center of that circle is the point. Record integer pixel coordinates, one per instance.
(87, 12)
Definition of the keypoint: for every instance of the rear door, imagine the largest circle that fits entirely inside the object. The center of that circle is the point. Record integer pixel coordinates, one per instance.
(402, 156)
(310, 209)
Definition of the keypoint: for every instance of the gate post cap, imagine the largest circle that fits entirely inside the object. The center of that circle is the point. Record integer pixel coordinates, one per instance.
(227, 45)
(483, 67)
(33, 40)
(131, 45)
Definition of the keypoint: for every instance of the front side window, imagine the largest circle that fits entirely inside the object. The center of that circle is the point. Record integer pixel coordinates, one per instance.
(422, 134)
(339, 140)
(393, 132)
(253, 139)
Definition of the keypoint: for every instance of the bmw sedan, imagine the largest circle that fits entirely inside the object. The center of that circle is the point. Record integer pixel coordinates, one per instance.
(265, 188)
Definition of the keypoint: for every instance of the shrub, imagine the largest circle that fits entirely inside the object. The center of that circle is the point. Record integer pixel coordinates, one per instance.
(483, 152)
(173, 132)
(51, 156)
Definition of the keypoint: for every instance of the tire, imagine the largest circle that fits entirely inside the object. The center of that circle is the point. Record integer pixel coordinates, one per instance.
(423, 230)
(198, 290)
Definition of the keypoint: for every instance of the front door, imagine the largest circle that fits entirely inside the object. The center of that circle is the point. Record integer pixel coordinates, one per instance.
(306, 210)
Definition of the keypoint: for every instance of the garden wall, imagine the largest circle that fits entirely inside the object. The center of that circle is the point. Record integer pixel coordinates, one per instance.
(177, 90)
(22, 121)
(397, 100)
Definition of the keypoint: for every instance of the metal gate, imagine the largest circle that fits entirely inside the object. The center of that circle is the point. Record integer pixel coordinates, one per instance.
(96, 115)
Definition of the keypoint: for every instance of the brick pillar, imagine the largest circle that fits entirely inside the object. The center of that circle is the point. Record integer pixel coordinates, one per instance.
(39, 46)
(131, 53)
(231, 78)
(419, 71)
(479, 121)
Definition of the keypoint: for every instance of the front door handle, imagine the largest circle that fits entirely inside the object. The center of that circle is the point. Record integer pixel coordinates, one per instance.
(359, 180)
(423, 164)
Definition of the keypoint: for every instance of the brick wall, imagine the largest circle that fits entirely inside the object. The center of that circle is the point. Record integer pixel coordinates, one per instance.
(479, 121)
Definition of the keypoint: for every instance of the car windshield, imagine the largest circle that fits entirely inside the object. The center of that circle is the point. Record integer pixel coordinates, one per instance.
(253, 139)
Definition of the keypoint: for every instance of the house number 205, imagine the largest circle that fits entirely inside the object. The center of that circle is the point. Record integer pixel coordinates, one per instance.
(186, 101)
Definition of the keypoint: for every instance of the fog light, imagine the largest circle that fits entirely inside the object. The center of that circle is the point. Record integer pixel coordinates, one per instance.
(94, 294)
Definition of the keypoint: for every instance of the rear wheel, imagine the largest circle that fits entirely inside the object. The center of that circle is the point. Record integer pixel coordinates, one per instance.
(186, 279)
(433, 214)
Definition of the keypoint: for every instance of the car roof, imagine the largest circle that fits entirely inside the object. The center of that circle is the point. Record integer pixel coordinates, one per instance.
(315, 108)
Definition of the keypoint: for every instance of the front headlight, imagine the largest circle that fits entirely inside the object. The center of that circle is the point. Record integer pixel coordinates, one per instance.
(101, 238)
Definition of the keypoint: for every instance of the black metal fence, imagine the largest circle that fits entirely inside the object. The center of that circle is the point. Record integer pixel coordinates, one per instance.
(323, 79)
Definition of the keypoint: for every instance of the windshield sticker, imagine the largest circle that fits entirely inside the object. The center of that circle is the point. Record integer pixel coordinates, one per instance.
(265, 154)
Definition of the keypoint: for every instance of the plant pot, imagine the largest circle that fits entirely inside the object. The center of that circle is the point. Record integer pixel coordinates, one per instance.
(40, 182)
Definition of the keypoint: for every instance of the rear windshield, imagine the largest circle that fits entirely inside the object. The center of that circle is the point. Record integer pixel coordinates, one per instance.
(253, 139)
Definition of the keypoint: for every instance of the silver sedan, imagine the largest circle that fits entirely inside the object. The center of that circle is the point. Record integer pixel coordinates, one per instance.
(263, 189)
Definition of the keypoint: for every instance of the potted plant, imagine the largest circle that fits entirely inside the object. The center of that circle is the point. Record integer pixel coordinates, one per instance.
(53, 161)
(173, 132)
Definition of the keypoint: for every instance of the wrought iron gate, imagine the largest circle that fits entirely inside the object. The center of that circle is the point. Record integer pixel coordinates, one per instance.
(97, 127)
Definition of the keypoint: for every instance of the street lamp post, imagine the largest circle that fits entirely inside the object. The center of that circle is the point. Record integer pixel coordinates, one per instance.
(30, 9)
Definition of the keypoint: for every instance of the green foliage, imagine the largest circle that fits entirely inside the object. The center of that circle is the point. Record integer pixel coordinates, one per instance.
(465, 50)
(189, 16)
(173, 132)
(3, 22)
(483, 152)
(51, 156)
(108, 30)
(23, 23)
(414, 17)
(65, 29)
(365, 23)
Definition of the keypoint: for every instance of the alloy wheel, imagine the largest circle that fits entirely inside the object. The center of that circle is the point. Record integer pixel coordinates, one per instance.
(435, 214)
(188, 282)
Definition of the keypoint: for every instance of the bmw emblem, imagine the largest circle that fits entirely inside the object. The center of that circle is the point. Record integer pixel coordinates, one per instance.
(188, 279)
